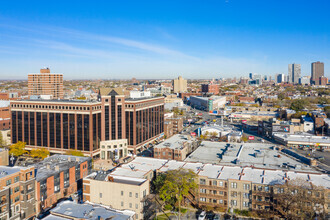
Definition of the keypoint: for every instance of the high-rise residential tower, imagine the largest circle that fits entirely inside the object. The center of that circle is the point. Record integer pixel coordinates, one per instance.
(179, 85)
(317, 72)
(45, 83)
(294, 72)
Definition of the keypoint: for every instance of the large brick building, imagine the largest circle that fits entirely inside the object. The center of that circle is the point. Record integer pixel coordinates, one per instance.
(62, 125)
(46, 83)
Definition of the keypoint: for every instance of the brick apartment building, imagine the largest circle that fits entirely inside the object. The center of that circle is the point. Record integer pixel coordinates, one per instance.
(17, 192)
(46, 83)
(210, 88)
(59, 176)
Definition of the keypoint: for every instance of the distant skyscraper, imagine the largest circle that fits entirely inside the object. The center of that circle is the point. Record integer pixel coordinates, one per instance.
(180, 85)
(317, 72)
(294, 72)
(280, 78)
(251, 75)
(46, 83)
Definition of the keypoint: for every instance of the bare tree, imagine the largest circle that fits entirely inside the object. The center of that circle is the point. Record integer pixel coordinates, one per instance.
(299, 199)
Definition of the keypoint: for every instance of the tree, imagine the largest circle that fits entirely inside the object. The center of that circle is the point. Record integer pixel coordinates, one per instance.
(299, 104)
(299, 199)
(158, 182)
(40, 153)
(281, 96)
(75, 153)
(177, 184)
(1, 140)
(17, 149)
(245, 138)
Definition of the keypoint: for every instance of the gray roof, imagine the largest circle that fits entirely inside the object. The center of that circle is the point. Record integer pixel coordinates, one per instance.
(4, 103)
(175, 142)
(47, 167)
(86, 211)
(6, 171)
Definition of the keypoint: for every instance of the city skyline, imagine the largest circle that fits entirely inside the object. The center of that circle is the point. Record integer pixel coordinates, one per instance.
(114, 41)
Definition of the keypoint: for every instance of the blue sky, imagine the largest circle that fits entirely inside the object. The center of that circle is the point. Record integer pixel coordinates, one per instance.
(162, 39)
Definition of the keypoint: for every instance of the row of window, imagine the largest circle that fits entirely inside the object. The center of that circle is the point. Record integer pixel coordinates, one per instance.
(114, 146)
(220, 201)
(56, 107)
(9, 181)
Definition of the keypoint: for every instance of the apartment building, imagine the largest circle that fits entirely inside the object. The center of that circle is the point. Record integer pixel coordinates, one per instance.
(17, 192)
(59, 176)
(179, 85)
(237, 187)
(176, 147)
(46, 83)
(118, 192)
(177, 123)
(210, 88)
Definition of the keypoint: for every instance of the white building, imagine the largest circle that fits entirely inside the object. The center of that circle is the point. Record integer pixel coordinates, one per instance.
(308, 124)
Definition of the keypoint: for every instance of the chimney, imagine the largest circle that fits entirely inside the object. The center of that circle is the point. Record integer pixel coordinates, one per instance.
(45, 70)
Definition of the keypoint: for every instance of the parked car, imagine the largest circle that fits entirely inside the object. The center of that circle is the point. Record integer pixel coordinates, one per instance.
(216, 217)
(202, 216)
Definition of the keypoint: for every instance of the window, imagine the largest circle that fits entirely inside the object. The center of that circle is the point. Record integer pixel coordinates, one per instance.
(202, 181)
(246, 195)
(233, 202)
(233, 194)
(8, 182)
(122, 193)
(221, 201)
(220, 183)
(280, 190)
(16, 189)
(16, 179)
(234, 185)
(130, 194)
(203, 190)
(214, 201)
(136, 206)
(16, 198)
(266, 188)
(246, 186)
(215, 183)
(100, 195)
(259, 188)
(246, 204)
(130, 205)
(136, 195)
(122, 203)
(202, 199)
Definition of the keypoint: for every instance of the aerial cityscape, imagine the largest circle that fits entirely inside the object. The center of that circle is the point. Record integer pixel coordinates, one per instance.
(164, 110)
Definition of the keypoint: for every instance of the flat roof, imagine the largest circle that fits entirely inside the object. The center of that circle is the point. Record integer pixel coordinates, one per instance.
(244, 154)
(86, 211)
(58, 101)
(303, 138)
(269, 176)
(6, 171)
(47, 167)
(4, 103)
(175, 142)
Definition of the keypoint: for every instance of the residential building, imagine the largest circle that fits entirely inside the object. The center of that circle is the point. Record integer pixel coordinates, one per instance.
(177, 123)
(17, 192)
(118, 192)
(317, 71)
(176, 147)
(46, 83)
(59, 176)
(210, 88)
(294, 72)
(179, 85)
(323, 81)
(305, 80)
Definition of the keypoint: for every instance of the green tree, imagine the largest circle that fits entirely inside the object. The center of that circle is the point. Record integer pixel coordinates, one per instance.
(40, 153)
(177, 184)
(17, 149)
(299, 104)
(1, 140)
(245, 138)
(281, 96)
(158, 182)
(75, 153)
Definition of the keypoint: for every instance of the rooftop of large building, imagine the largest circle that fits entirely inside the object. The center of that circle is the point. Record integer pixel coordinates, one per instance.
(4, 103)
(175, 142)
(105, 176)
(56, 164)
(245, 154)
(76, 101)
(303, 138)
(224, 172)
(73, 210)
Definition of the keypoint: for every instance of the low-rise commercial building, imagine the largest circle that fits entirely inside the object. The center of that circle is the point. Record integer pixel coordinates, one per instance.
(208, 103)
(303, 140)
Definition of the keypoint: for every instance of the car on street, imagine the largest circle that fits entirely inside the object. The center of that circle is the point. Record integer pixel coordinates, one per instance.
(202, 216)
